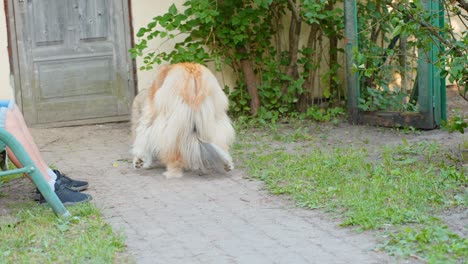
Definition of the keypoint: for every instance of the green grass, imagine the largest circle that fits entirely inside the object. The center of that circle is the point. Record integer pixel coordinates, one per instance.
(32, 233)
(35, 235)
(433, 241)
(398, 191)
(7, 178)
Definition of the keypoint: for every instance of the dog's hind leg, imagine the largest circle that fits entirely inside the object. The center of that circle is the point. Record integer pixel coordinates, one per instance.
(142, 162)
(142, 156)
(137, 163)
(174, 167)
(173, 172)
(142, 153)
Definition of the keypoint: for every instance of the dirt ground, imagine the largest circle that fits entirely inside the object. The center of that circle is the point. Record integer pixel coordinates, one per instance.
(215, 218)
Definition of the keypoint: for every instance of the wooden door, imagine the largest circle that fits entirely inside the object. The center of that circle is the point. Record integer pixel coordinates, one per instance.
(72, 60)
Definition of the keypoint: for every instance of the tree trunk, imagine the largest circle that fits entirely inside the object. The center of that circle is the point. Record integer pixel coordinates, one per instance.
(403, 61)
(250, 80)
(307, 98)
(333, 58)
(294, 35)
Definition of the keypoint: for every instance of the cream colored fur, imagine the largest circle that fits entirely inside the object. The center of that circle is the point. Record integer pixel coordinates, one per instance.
(182, 121)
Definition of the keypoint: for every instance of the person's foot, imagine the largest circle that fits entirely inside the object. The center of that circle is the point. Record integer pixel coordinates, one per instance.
(3, 160)
(67, 196)
(71, 184)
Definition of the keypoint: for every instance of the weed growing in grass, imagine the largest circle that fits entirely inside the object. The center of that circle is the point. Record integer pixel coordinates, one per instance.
(434, 241)
(324, 115)
(456, 122)
(403, 186)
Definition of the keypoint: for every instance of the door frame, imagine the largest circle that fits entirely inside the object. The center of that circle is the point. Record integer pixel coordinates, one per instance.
(15, 68)
(430, 85)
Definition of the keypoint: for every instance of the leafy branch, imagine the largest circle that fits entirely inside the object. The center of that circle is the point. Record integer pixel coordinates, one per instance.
(453, 56)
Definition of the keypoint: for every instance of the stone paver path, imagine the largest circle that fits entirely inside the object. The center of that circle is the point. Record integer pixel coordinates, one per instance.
(216, 218)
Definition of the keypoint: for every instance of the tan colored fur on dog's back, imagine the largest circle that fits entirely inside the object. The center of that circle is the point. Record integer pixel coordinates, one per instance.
(185, 107)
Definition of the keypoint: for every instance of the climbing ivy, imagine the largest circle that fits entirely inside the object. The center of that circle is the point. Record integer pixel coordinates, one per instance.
(232, 33)
(245, 35)
(275, 78)
(392, 36)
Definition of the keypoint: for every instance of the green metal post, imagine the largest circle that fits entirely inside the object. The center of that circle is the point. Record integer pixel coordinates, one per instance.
(443, 87)
(351, 44)
(433, 7)
(34, 173)
(436, 8)
(432, 97)
(425, 81)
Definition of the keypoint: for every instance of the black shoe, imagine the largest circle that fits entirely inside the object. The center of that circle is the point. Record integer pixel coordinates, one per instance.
(3, 160)
(67, 196)
(71, 184)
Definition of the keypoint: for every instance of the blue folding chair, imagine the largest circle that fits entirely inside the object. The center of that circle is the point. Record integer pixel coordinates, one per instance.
(29, 167)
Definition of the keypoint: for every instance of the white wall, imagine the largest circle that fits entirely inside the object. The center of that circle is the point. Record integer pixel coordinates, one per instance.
(6, 89)
(143, 12)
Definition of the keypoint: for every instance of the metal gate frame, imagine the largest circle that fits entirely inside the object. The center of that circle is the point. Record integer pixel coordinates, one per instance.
(430, 84)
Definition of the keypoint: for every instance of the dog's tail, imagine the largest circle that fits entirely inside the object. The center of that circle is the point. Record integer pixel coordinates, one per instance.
(213, 155)
(198, 154)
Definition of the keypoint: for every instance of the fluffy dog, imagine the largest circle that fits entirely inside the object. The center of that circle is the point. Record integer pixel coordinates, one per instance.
(182, 121)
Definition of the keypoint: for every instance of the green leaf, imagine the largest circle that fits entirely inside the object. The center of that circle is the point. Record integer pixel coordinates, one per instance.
(173, 9)
(141, 32)
(151, 25)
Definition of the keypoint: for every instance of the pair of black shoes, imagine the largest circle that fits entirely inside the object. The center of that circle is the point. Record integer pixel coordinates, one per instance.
(69, 190)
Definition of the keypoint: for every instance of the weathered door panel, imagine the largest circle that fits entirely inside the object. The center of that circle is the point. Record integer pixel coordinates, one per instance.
(73, 60)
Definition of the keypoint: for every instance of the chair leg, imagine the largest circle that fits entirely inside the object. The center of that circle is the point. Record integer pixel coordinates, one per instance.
(34, 173)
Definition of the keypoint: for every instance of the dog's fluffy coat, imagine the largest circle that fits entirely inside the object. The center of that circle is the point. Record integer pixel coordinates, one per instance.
(182, 121)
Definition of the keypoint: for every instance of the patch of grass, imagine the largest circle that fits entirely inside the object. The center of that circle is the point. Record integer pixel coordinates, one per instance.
(7, 178)
(295, 135)
(401, 186)
(325, 115)
(433, 241)
(35, 235)
(408, 130)
(456, 122)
